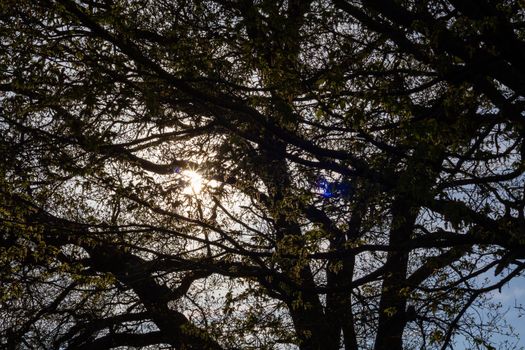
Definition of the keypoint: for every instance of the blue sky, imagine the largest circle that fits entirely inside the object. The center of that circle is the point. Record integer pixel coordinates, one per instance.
(512, 295)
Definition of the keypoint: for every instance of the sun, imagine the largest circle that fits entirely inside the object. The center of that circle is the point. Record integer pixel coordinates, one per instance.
(195, 182)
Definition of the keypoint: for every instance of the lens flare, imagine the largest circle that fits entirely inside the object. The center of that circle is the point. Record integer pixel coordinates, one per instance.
(195, 182)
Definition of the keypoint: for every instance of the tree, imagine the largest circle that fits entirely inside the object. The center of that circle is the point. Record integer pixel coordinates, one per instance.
(259, 174)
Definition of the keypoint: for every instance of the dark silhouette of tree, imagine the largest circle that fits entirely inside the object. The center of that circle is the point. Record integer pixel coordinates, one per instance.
(241, 174)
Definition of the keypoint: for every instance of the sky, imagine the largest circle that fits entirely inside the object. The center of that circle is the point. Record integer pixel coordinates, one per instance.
(512, 295)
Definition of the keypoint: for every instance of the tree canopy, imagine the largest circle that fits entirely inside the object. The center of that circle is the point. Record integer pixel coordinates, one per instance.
(259, 174)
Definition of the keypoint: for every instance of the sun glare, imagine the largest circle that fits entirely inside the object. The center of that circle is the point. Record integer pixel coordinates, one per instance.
(195, 182)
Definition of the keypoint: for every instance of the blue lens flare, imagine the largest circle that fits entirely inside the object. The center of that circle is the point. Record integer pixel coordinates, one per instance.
(334, 189)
